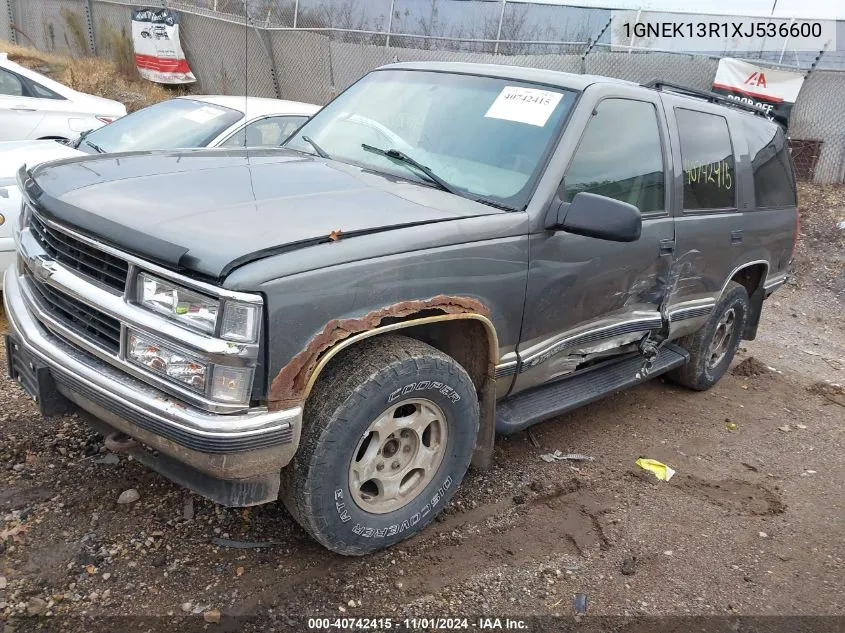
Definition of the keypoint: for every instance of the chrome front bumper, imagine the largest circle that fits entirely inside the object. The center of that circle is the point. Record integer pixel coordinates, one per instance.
(244, 446)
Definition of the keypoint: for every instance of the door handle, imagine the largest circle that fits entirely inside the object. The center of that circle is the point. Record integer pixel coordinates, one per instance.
(667, 247)
(736, 236)
(23, 109)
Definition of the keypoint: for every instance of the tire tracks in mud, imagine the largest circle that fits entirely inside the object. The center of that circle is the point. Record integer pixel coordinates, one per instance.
(549, 519)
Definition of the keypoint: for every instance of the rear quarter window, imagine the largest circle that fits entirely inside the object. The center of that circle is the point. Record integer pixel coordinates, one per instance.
(709, 170)
(43, 92)
(774, 181)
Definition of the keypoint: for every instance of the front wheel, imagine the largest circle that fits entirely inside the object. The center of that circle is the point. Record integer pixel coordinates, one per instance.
(388, 434)
(713, 347)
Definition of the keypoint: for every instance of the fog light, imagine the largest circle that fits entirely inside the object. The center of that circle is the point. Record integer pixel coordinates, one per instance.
(166, 361)
(231, 384)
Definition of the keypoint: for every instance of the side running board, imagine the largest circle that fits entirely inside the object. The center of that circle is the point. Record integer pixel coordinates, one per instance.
(547, 401)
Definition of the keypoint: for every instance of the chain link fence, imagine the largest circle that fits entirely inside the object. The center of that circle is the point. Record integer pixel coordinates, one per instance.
(311, 50)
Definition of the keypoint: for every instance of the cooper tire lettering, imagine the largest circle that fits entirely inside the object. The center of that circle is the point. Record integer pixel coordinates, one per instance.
(425, 385)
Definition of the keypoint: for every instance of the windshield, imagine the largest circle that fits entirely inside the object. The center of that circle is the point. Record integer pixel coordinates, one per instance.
(173, 124)
(485, 137)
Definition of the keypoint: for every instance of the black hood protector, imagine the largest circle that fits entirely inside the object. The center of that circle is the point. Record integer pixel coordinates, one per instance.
(210, 211)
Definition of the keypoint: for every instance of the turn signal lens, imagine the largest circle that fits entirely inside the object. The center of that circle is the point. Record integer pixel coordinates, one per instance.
(240, 321)
(231, 384)
(167, 361)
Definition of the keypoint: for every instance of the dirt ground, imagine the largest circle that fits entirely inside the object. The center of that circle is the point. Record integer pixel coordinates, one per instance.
(753, 523)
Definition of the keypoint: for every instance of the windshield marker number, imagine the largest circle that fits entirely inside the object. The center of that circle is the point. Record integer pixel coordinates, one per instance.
(524, 105)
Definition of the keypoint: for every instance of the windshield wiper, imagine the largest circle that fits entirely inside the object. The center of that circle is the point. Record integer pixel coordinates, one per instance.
(320, 151)
(96, 147)
(81, 138)
(395, 154)
(495, 205)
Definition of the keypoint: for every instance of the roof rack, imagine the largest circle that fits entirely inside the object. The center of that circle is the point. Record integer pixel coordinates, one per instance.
(712, 97)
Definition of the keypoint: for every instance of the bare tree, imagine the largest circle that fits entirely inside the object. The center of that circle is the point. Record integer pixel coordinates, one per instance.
(429, 24)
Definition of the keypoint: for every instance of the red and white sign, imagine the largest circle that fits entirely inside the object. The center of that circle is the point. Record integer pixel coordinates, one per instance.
(158, 51)
(771, 89)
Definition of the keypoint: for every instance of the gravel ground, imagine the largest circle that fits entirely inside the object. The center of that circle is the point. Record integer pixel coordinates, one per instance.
(753, 523)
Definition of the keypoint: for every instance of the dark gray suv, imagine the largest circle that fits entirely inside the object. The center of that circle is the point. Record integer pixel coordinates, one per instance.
(444, 252)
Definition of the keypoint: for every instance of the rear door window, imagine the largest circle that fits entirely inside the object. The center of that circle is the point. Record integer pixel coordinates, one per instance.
(708, 161)
(774, 182)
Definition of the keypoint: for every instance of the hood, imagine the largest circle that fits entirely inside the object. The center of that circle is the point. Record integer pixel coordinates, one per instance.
(13, 154)
(210, 211)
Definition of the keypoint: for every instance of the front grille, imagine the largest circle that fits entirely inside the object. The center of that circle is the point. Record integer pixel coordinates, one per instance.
(73, 253)
(88, 322)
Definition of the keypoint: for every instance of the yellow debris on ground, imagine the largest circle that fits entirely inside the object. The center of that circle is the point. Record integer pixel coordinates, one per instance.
(658, 469)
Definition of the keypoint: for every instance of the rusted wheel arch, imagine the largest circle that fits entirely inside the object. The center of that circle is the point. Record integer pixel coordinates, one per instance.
(426, 320)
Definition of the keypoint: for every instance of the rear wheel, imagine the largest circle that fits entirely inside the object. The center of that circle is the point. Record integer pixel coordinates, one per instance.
(713, 347)
(388, 433)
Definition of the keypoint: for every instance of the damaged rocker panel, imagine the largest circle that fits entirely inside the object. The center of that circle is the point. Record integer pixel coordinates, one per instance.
(295, 380)
(596, 341)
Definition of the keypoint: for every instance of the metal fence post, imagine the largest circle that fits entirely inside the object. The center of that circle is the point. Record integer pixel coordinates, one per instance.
(295, 12)
(499, 32)
(266, 42)
(89, 20)
(389, 24)
(13, 34)
(264, 36)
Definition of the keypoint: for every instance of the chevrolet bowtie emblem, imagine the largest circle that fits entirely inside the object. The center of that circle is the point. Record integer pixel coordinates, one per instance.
(42, 268)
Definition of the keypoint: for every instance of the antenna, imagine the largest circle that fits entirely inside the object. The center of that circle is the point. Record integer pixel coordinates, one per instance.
(246, 67)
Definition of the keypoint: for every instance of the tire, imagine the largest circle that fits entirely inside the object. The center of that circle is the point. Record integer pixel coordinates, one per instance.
(385, 408)
(705, 368)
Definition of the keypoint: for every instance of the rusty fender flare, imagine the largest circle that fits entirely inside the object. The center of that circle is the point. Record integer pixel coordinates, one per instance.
(294, 382)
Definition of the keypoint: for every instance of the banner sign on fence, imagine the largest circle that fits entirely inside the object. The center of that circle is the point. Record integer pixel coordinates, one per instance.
(158, 51)
(773, 90)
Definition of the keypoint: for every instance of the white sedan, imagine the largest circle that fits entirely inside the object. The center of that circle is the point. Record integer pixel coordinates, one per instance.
(184, 122)
(33, 106)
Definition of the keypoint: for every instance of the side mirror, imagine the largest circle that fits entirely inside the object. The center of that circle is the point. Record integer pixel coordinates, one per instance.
(592, 215)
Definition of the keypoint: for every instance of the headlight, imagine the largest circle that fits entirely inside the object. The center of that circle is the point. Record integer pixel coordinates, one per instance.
(166, 360)
(180, 304)
(226, 317)
(240, 321)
